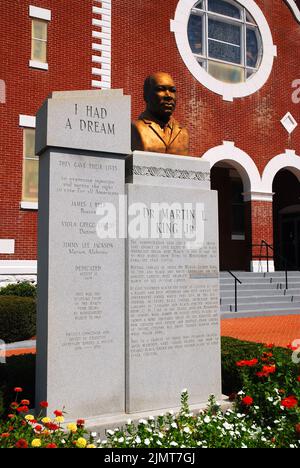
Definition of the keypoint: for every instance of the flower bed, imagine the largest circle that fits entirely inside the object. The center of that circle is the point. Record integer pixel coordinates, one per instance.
(265, 413)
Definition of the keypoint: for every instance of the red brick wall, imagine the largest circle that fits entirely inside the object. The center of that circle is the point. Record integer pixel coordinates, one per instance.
(69, 59)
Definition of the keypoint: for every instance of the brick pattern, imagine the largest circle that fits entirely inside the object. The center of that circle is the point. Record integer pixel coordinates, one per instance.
(69, 59)
(279, 330)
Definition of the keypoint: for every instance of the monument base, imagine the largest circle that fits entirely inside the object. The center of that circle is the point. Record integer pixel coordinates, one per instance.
(103, 423)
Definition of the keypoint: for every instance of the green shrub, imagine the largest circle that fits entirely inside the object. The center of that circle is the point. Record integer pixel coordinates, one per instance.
(24, 289)
(18, 371)
(17, 318)
(234, 350)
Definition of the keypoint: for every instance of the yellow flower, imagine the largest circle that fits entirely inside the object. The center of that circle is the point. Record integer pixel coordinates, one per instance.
(91, 446)
(29, 417)
(81, 443)
(72, 427)
(36, 443)
(46, 420)
(59, 419)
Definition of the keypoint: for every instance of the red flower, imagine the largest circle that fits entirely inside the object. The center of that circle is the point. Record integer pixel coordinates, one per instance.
(270, 346)
(289, 402)
(269, 369)
(11, 416)
(80, 422)
(5, 435)
(22, 444)
(291, 347)
(25, 402)
(52, 427)
(23, 409)
(244, 363)
(38, 428)
(14, 405)
(18, 390)
(44, 404)
(247, 401)
(298, 378)
(51, 446)
(58, 413)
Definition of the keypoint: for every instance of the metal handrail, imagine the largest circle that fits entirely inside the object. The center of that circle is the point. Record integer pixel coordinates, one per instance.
(285, 260)
(236, 281)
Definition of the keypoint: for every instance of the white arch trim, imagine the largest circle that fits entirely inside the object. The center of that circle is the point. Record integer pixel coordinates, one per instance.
(288, 160)
(240, 160)
(294, 8)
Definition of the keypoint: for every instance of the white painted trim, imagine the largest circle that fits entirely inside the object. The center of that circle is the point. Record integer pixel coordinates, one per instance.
(228, 91)
(289, 160)
(2, 92)
(258, 196)
(101, 51)
(289, 119)
(17, 267)
(240, 160)
(261, 266)
(28, 121)
(40, 13)
(294, 8)
(29, 205)
(7, 246)
(39, 65)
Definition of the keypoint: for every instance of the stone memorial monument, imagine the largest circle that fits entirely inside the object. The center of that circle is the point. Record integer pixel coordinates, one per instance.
(128, 299)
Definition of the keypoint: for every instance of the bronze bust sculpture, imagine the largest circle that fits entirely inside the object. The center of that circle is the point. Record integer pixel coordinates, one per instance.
(156, 130)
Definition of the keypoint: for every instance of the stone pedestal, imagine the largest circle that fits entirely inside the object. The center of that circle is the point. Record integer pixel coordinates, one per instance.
(172, 319)
(81, 283)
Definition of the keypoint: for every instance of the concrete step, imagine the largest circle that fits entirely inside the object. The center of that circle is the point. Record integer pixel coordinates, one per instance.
(256, 292)
(261, 300)
(266, 306)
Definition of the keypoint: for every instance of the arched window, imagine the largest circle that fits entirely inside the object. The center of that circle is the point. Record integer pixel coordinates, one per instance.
(227, 45)
(225, 40)
(2, 92)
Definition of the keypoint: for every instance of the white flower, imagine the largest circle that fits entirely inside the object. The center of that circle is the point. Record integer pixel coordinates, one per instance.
(241, 393)
(174, 425)
(184, 391)
(187, 430)
(244, 446)
(174, 444)
(121, 440)
(63, 441)
(159, 442)
(160, 435)
(104, 442)
(171, 413)
(206, 419)
(143, 421)
(147, 442)
(227, 426)
(94, 434)
(138, 440)
(151, 418)
(110, 432)
(270, 399)
(129, 422)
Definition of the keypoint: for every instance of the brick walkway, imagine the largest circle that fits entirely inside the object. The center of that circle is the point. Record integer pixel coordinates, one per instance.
(280, 330)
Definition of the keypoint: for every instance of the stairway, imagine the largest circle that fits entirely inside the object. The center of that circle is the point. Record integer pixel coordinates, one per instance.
(260, 294)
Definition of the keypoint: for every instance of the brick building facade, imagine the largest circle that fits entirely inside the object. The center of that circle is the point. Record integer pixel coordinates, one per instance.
(243, 120)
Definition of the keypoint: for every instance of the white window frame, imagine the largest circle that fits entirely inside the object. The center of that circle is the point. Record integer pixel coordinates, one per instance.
(42, 14)
(27, 122)
(229, 91)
